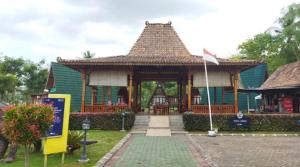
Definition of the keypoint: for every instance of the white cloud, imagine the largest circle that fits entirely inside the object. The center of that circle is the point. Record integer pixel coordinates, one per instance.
(36, 29)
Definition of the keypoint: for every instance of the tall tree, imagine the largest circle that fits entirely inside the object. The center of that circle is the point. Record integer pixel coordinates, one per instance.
(20, 78)
(277, 46)
(35, 77)
(9, 65)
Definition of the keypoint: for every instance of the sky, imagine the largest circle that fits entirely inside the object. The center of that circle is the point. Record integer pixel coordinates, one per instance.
(47, 29)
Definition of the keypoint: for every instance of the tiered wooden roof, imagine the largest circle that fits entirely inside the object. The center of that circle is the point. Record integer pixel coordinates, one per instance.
(287, 76)
(158, 45)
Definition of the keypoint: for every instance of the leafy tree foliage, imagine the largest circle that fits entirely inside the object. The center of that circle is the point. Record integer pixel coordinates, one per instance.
(20, 78)
(148, 88)
(35, 77)
(276, 46)
(88, 54)
(8, 83)
(147, 91)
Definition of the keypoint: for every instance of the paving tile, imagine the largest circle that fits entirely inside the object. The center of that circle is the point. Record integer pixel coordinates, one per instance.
(240, 151)
(157, 152)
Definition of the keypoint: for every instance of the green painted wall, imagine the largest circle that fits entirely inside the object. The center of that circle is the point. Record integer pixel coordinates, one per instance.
(251, 78)
(69, 81)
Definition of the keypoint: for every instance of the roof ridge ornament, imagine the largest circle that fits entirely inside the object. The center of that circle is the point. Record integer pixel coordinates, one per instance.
(148, 23)
(58, 59)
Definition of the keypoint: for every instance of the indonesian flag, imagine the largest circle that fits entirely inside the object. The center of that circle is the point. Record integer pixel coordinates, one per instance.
(207, 56)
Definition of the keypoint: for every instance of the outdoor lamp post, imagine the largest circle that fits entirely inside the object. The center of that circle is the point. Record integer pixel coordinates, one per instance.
(123, 121)
(85, 127)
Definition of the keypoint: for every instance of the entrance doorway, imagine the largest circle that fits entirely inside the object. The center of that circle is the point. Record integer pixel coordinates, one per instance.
(159, 97)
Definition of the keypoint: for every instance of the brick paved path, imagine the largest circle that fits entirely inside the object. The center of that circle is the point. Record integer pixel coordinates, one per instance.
(238, 151)
(157, 152)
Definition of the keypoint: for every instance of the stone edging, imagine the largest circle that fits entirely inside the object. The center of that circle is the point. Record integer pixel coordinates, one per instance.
(102, 162)
(200, 150)
(252, 134)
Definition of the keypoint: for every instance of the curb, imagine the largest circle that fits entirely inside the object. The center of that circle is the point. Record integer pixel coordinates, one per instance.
(252, 134)
(102, 162)
(200, 150)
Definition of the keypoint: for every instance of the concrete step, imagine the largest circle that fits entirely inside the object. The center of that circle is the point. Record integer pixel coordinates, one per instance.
(141, 124)
(158, 132)
(176, 124)
(178, 132)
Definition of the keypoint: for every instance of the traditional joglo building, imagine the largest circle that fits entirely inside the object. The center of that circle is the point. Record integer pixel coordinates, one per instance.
(157, 55)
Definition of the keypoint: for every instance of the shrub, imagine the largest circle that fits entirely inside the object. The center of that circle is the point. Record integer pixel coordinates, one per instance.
(258, 122)
(101, 120)
(74, 138)
(26, 124)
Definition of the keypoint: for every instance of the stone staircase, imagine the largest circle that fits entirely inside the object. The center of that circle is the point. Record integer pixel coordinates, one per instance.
(141, 124)
(176, 124)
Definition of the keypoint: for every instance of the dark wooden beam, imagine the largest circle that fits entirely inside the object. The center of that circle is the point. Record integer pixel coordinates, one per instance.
(83, 76)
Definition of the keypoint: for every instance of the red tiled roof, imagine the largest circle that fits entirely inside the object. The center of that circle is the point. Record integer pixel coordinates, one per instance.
(287, 76)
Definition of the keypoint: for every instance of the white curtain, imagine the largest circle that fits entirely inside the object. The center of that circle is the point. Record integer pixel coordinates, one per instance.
(215, 79)
(108, 78)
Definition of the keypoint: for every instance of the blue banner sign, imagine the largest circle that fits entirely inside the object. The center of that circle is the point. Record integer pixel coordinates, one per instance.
(239, 121)
(58, 105)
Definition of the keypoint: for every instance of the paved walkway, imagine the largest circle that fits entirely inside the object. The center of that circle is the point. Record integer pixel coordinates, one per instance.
(156, 152)
(241, 151)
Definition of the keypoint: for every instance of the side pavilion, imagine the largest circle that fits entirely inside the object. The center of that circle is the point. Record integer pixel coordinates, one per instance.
(158, 55)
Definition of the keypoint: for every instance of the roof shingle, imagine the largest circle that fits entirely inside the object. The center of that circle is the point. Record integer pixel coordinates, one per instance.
(286, 76)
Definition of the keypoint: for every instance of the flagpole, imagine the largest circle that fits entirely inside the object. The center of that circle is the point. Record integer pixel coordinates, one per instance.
(208, 96)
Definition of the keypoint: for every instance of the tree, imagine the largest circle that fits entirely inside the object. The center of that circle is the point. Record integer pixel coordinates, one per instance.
(17, 74)
(277, 46)
(26, 124)
(35, 77)
(12, 66)
(8, 83)
(88, 54)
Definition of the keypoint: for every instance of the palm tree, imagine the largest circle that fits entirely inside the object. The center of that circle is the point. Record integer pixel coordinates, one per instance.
(88, 54)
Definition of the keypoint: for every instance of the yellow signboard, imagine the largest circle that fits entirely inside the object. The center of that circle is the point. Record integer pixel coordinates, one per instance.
(58, 144)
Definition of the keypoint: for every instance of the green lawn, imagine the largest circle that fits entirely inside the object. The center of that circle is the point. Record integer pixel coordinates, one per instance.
(106, 140)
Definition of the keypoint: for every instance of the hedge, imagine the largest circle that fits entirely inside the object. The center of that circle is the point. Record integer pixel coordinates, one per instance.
(258, 122)
(101, 121)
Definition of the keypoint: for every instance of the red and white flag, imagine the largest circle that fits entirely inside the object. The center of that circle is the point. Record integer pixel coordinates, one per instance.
(207, 56)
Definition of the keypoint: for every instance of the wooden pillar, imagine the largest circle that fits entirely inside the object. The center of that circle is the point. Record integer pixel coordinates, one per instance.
(92, 96)
(235, 92)
(140, 93)
(178, 96)
(189, 91)
(183, 96)
(83, 76)
(135, 94)
(130, 90)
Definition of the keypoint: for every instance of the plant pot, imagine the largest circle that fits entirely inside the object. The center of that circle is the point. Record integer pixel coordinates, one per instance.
(212, 133)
